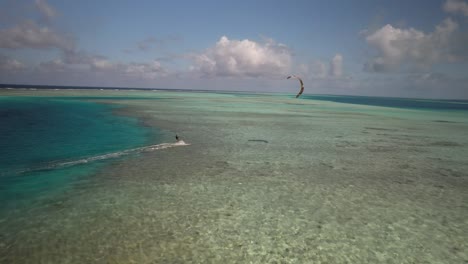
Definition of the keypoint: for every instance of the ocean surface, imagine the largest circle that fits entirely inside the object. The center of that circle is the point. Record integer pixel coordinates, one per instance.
(94, 176)
(408, 103)
(42, 137)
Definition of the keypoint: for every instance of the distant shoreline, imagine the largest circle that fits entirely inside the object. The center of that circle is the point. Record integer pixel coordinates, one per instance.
(63, 87)
(67, 87)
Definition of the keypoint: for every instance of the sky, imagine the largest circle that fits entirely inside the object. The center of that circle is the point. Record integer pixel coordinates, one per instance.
(397, 48)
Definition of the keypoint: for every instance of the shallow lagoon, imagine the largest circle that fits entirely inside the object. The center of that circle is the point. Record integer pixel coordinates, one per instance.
(266, 179)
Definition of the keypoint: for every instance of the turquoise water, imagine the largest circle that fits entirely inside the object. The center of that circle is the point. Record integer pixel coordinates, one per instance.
(265, 179)
(38, 134)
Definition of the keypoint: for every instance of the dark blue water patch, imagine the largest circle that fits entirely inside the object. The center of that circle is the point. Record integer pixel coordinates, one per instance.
(36, 131)
(240, 94)
(406, 103)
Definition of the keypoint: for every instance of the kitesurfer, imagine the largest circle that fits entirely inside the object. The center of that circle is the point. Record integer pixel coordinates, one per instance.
(177, 138)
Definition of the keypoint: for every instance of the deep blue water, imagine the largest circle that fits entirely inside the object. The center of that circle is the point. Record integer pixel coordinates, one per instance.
(36, 133)
(408, 103)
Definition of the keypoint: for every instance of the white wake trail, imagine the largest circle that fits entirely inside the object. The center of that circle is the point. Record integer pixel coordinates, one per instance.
(63, 164)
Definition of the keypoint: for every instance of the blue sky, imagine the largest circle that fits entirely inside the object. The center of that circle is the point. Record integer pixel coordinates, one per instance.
(370, 47)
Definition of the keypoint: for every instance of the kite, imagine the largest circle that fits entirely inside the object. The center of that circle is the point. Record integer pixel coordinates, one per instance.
(302, 84)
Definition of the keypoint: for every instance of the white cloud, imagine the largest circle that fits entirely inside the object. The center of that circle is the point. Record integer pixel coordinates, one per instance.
(336, 66)
(410, 47)
(318, 69)
(323, 69)
(29, 35)
(102, 64)
(79, 57)
(150, 70)
(45, 9)
(303, 69)
(10, 65)
(244, 58)
(56, 65)
(456, 6)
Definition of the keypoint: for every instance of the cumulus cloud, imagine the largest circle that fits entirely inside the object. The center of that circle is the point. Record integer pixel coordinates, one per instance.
(37, 35)
(410, 47)
(46, 10)
(336, 66)
(456, 6)
(91, 65)
(30, 35)
(243, 58)
(73, 60)
(56, 65)
(102, 64)
(10, 65)
(93, 61)
(150, 70)
(79, 57)
(107, 69)
(324, 69)
(318, 69)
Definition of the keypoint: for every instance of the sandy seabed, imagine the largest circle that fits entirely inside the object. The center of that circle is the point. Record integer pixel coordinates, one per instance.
(266, 179)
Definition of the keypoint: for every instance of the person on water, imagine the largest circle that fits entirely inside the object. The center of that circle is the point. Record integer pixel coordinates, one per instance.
(179, 141)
